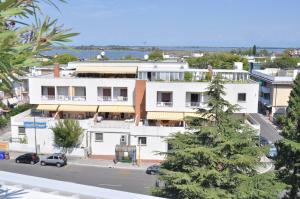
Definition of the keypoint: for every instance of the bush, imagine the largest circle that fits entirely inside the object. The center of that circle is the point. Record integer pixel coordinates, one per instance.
(188, 76)
(64, 58)
(3, 121)
(19, 109)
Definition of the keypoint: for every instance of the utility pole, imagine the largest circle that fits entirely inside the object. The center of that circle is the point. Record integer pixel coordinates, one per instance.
(34, 133)
(139, 157)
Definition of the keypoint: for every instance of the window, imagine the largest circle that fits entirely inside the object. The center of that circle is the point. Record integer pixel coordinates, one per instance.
(98, 137)
(241, 97)
(142, 140)
(21, 131)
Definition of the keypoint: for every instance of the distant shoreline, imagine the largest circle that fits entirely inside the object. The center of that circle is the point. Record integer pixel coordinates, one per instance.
(168, 48)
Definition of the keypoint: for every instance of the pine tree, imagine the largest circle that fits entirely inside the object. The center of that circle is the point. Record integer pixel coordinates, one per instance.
(288, 158)
(215, 160)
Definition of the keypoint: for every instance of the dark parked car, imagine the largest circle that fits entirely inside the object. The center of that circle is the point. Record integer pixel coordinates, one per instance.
(28, 158)
(272, 152)
(57, 159)
(154, 169)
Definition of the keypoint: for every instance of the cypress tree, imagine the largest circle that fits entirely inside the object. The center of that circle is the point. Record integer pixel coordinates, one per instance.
(215, 160)
(288, 159)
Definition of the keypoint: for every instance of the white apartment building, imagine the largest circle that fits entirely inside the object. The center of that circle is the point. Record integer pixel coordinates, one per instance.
(275, 88)
(124, 107)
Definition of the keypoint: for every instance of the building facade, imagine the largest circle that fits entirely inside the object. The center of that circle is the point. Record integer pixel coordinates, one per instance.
(125, 108)
(275, 88)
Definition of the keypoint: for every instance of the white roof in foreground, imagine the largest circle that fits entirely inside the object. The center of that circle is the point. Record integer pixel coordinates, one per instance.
(42, 188)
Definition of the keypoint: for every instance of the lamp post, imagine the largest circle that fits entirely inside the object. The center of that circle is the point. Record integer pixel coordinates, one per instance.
(34, 112)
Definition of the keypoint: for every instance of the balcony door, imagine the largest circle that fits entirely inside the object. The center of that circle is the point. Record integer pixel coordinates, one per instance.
(166, 97)
(123, 92)
(51, 91)
(195, 97)
(106, 92)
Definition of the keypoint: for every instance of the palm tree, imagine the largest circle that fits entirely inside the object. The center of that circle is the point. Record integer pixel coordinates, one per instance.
(20, 42)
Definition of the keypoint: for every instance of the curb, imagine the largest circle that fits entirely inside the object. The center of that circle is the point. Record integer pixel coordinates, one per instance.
(109, 167)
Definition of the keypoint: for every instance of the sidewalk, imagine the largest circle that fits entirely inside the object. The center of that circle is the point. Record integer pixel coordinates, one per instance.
(94, 162)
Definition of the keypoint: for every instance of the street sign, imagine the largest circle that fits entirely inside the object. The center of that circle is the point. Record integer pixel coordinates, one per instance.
(38, 125)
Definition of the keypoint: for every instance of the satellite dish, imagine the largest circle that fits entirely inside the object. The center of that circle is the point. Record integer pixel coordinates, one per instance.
(146, 57)
(102, 53)
(99, 57)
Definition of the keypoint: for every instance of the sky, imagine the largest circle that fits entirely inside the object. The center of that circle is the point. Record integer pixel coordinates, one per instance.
(214, 23)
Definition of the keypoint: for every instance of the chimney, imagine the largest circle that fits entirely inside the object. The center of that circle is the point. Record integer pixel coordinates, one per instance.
(56, 70)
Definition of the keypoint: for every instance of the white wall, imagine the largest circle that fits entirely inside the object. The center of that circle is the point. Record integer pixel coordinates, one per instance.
(180, 89)
(91, 85)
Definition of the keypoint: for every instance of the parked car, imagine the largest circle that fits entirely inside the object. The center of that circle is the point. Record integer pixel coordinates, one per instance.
(28, 158)
(153, 169)
(57, 159)
(272, 152)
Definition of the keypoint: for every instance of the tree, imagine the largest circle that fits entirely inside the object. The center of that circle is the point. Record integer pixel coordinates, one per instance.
(288, 158)
(21, 42)
(129, 57)
(156, 55)
(217, 60)
(283, 62)
(254, 50)
(64, 58)
(67, 133)
(215, 160)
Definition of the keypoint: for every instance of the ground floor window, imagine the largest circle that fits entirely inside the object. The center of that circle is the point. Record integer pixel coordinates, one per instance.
(241, 97)
(98, 137)
(21, 130)
(142, 140)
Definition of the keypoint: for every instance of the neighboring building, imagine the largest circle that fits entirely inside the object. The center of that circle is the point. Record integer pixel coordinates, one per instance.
(125, 107)
(275, 87)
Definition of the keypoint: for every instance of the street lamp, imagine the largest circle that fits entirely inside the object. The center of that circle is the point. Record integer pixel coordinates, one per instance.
(34, 113)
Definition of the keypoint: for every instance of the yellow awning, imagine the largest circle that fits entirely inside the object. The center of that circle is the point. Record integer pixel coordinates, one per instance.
(165, 116)
(77, 108)
(107, 69)
(199, 115)
(116, 109)
(47, 107)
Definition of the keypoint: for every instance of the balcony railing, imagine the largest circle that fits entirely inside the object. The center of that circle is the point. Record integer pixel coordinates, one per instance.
(192, 104)
(164, 104)
(104, 98)
(48, 97)
(79, 98)
(120, 98)
(63, 98)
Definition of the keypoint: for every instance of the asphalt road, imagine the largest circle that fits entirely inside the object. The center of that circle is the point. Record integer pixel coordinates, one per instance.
(266, 129)
(135, 181)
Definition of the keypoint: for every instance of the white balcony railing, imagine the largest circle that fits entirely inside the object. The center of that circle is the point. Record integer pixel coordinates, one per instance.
(164, 104)
(63, 98)
(79, 98)
(120, 98)
(104, 98)
(193, 104)
(48, 97)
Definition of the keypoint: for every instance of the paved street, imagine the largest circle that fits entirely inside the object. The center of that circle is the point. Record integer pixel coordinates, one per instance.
(266, 128)
(135, 181)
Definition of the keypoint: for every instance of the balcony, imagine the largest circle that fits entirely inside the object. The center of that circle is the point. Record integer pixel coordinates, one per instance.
(120, 99)
(104, 98)
(79, 98)
(64, 98)
(48, 97)
(164, 104)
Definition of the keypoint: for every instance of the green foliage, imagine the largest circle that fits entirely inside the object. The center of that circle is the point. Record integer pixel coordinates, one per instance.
(254, 50)
(188, 76)
(283, 62)
(67, 133)
(3, 121)
(21, 39)
(215, 160)
(19, 109)
(64, 58)
(289, 148)
(156, 55)
(129, 57)
(217, 60)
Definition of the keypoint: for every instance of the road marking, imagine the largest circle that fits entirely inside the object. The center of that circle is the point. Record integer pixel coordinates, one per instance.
(111, 185)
